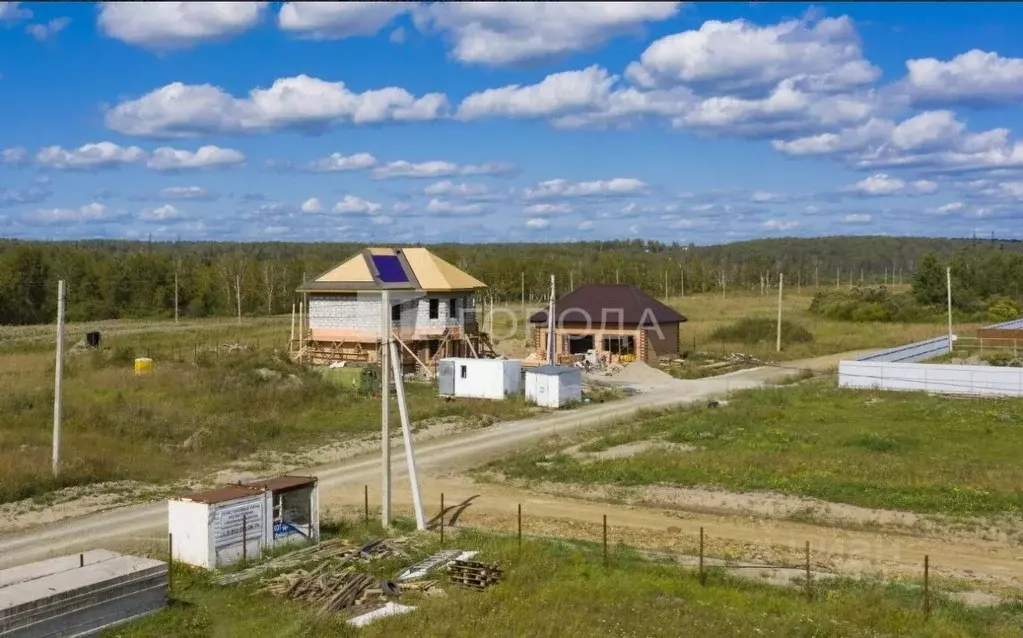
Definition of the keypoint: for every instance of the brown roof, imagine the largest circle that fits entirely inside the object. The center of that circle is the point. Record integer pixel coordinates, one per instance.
(603, 303)
(223, 494)
(282, 483)
(241, 490)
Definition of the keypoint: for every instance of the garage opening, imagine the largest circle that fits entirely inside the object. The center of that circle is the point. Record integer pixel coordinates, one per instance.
(580, 344)
(620, 344)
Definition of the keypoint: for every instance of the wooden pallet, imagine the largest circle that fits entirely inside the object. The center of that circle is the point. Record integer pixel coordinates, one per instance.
(473, 575)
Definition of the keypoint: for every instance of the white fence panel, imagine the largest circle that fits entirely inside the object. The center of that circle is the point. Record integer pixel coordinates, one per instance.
(930, 377)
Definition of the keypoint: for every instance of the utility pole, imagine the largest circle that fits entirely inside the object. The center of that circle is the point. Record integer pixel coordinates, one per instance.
(385, 408)
(681, 282)
(948, 285)
(57, 377)
(781, 282)
(175, 295)
(522, 291)
(571, 280)
(838, 277)
(722, 284)
(551, 326)
(238, 296)
(616, 276)
(816, 275)
(665, 284)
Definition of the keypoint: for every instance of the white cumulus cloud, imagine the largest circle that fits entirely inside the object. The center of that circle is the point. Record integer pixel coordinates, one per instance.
(538, 223)
(336, 20)
(336, 162)
(741, 56)
(301, 102)
(508, 33)
(170, 159)
(856, 218)
(437, 168)
(186, 192)
(312, 205)
(161, 213)
(93, 212)
(975, 77)
(89, 156)
(543, 210)
(444, 207)
(176, 25)
(47, 30)
(13, 12)
(14, 156)
(554, 95)
(617, 186)
(447, 187)
(352, 205)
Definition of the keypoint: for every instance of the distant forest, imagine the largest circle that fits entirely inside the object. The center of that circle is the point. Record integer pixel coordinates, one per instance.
(131, 279)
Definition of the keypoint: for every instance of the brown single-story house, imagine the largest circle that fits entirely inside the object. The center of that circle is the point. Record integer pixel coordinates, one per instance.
(616, 319)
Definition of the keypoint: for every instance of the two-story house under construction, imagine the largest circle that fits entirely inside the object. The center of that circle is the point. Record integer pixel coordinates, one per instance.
(432, 314)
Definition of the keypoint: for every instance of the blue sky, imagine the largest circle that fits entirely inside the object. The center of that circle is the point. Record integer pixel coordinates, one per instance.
(523, 121)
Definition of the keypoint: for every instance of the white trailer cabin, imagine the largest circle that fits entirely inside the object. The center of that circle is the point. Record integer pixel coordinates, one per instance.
(478, 378)
(554, 386)
(222, 526)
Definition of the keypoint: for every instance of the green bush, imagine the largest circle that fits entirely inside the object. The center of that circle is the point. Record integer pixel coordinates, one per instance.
(754, 330)
(1002, 309)
(869, 304)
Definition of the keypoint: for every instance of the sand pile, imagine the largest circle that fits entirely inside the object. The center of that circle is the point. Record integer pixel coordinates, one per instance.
(640, 373)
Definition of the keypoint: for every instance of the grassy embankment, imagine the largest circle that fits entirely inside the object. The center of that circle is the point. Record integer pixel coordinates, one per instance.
(198, 411)
(562, 589)
(907, 451)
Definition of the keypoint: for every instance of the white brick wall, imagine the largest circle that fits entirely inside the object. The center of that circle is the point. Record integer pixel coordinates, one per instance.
(362, 312)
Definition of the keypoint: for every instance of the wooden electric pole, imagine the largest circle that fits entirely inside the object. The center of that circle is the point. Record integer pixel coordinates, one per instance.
(781, 282)
(61, 293)
(238, 296)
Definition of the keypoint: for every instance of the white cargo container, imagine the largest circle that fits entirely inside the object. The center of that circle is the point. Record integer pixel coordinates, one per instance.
(478, 378)
(554, 386)
(222, 526)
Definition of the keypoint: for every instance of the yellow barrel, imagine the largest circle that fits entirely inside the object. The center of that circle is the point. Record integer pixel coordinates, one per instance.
(143, 365)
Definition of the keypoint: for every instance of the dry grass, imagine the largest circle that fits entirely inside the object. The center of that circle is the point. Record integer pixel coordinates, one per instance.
(710, 311)
(198, 411)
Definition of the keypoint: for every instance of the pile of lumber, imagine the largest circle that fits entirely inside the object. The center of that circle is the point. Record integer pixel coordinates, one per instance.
(473, 575)
(338, 551)
(331, 590)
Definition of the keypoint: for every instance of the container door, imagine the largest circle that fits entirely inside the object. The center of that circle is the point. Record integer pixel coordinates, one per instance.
(446, 378)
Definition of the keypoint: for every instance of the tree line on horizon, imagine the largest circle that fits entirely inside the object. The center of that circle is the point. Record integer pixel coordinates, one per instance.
(115, 279)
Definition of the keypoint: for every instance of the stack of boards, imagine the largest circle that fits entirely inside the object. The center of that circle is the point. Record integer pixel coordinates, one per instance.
(79, 595)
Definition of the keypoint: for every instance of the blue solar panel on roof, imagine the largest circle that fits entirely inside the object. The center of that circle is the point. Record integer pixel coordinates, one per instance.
(389, 269)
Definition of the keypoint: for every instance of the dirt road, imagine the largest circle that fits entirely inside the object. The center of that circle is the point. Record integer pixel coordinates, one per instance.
(763, 540)
(439, 456)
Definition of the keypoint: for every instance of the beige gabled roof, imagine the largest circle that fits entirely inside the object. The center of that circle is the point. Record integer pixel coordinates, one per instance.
(354, 270)
(432, 273)
(435, 274)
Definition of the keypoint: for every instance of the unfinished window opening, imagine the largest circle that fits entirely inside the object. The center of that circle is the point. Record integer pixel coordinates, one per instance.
(432, 346)
(580, 344)
(396, 313)
(292, 513)
(620, 344)
(453, 307)
(434, 308)
(464, 372)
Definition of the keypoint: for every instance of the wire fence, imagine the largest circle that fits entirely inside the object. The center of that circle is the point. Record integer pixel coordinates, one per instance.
(808, 578)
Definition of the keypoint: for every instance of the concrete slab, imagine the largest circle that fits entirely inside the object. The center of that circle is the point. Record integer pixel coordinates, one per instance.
(14, 575)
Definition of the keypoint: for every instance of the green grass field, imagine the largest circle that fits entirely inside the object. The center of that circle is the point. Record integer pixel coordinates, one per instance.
(562, 589)
(905, 451)
(198, 410)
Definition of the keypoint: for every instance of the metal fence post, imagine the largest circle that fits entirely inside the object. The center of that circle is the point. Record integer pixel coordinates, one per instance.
(442, 519)
(605, 540)
(520, 528)
(365, 504)
(809, 592)
(927, 588)
(703, 577)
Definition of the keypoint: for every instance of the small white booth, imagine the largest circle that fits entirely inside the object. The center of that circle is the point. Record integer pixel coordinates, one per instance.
(219, 527)
(478, 378)
(554, 386)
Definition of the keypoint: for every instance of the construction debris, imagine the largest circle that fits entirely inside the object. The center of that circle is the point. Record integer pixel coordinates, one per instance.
(338, 551)
(390, 609)
(473, 575)
(438, 560)
(330, 588)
